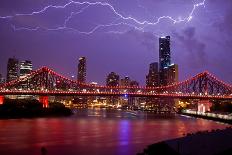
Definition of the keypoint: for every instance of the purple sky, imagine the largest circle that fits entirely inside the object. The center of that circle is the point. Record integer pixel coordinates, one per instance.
(123, 45)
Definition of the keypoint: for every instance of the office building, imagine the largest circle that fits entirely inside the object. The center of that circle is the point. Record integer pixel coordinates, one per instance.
(125, 82)
(164, 59)
(167, 75)
(152, 79)
(25, 68)
(172, 74)
(81, 75)
(164, 52)
(12, 69)
(112, 79)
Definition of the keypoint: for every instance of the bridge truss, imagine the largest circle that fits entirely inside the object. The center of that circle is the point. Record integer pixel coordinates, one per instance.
(45, 82)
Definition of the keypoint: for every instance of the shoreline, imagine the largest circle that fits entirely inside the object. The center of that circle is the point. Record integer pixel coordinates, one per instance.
(34, 117)
(207, 118)
(144, 115)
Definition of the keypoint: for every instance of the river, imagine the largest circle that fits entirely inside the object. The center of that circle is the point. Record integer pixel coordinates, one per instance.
(94, 132)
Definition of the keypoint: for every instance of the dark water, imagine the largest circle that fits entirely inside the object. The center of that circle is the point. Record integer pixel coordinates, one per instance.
(97, 132)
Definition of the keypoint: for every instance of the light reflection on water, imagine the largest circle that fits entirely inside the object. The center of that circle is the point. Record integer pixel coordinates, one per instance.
(93, 132)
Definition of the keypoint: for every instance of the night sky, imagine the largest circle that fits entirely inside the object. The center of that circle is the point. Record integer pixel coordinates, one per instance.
(114, 37)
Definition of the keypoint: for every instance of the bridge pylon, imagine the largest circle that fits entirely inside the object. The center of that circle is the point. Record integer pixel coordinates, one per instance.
(44, 101)
(204, 106)
(2, 99)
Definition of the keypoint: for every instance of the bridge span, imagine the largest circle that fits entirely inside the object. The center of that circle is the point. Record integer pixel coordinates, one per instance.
(46, 82)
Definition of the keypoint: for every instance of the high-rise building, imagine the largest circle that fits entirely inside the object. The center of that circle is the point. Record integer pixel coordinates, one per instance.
(168, 73)
(25, 68)
(112, 79)
(152, 79)
(81, 76)
(12, 69)
(164, 52)
(164, 58)
(125, 82)
(172, 74)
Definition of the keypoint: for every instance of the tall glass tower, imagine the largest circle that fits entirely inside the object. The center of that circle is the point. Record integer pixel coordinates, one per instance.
(164, 58)
(164, 52)
(81, 75)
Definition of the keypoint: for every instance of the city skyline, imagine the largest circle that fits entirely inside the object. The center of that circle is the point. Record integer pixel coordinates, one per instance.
(160, 73)
(128, 53)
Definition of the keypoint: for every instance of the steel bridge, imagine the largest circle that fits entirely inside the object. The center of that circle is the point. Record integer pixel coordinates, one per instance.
(45, 82)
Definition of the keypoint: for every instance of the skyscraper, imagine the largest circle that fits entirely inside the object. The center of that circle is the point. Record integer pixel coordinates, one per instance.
(152, 79)
(12, 69)
(164, 58)
(25, 68)
(168, 73)
(112, 79)
(81, 75)
(172, 74)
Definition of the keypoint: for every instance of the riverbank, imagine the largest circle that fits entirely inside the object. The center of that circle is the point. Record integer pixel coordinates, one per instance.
(209, 116)
(203, 142)
(31, 109)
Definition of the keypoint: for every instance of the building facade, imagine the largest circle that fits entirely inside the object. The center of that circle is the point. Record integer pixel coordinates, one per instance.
(172, 74)
(12, 69)
(81, 75)
(125, 82)
(25, 68)
(152, 79)
(112, 79)
(164, 59)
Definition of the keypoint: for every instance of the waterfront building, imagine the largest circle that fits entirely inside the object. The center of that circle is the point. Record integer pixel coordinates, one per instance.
(168, 73)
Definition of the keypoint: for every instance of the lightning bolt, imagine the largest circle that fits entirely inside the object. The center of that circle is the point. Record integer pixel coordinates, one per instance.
(137, 24)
